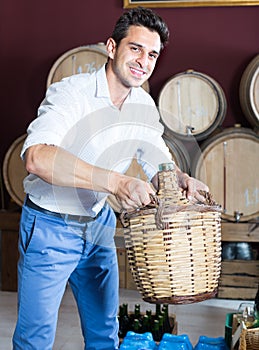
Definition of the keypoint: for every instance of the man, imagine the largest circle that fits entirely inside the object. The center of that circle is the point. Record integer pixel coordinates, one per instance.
(88, 129)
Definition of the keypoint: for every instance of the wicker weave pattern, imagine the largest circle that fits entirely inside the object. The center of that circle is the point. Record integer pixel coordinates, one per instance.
(249, 339)
(174, 250)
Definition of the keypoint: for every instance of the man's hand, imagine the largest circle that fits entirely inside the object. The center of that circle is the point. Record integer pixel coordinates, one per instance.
(191, 187)
(133, 193)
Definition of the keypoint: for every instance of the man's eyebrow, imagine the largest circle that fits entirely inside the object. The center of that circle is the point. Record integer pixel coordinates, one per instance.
(141, 46)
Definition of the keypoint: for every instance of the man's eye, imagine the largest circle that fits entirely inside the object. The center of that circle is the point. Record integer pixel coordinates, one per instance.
(153, 56)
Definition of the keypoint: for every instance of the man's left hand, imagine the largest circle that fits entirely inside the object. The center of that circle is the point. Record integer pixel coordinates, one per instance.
(191, 187)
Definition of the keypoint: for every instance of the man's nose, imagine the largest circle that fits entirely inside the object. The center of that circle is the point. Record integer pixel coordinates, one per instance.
(142, 59)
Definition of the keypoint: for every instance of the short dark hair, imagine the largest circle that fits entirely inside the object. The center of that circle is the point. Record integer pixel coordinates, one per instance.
(140, 17)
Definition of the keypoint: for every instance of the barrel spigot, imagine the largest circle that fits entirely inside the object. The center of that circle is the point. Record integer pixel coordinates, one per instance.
(189, 130)
(237, 215)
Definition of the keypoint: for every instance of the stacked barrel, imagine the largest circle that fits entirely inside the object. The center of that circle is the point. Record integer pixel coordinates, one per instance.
(193, 107)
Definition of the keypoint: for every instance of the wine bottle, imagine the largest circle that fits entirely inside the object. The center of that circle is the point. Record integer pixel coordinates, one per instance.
(136, 326)
(167, 325)
(155, 331)
(146, 324)
(124, 321)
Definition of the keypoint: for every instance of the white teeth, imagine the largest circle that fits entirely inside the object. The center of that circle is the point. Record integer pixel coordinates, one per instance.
(137, 71)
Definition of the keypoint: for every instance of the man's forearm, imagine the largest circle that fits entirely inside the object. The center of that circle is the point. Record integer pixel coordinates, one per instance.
(59, 167)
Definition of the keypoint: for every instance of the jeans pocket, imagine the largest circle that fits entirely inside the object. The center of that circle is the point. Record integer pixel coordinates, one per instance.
(27, 225)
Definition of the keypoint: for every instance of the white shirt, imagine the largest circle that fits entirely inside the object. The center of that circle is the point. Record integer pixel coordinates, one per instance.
(78, 115)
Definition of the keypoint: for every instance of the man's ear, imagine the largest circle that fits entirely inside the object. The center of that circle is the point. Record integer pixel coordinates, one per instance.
(111, 47)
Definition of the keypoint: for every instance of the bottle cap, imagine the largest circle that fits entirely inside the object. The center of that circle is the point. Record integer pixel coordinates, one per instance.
(166, 166)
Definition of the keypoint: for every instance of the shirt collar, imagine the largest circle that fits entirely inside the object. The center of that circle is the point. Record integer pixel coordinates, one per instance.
(102, 89)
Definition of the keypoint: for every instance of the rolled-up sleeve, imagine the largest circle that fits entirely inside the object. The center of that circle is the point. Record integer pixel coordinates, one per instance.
(57, 113)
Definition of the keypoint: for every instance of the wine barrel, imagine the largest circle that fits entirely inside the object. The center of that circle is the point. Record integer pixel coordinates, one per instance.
(179, 153)
(249, 92)
(192, 104)
(83, 59)
(14, 171)
(229, 165)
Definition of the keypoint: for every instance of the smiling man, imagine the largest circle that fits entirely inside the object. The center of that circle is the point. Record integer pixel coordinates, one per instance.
(133, 59)
(88, 129)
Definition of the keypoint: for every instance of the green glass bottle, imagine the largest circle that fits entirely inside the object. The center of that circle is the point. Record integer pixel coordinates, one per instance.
(124, 321)
(146, 324)
(155, 331)
(167, 325)
(149, 314)
(161, 324)
(137, 314)
(136, 326)
(158, 310)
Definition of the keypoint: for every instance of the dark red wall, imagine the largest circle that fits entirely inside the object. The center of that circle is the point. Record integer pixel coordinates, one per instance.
(218, 41)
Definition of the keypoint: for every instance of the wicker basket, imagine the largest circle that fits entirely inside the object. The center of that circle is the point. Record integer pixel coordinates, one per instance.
(174, 248)
(249, 339)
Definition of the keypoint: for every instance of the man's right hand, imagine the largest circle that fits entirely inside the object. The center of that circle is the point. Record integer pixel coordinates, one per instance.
(133, 193)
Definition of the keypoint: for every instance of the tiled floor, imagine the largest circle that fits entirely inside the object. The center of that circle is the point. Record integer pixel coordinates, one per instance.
(205, 318)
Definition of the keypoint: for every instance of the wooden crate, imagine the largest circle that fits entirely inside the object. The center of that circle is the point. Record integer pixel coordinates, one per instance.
(239, 232)
(239, 279)
(232, 331)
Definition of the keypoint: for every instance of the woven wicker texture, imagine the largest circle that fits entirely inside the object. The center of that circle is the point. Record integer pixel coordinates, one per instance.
(174, 249)
(249, 339)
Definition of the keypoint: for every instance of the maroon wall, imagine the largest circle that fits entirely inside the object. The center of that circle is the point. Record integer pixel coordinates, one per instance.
(218, 41)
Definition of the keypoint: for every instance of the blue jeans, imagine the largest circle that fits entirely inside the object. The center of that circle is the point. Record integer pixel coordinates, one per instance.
(52, 253)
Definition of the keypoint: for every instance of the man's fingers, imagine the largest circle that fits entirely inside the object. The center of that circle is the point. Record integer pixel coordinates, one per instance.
(193, 188)
(134, 193)
(136, 199)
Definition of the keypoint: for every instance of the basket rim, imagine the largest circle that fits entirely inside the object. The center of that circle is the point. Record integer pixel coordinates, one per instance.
(187, 299)
(167, 209)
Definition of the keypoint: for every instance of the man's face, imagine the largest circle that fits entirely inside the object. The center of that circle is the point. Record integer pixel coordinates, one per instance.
(135, 58)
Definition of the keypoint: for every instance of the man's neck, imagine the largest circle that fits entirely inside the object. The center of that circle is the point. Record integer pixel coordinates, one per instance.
(118, 92)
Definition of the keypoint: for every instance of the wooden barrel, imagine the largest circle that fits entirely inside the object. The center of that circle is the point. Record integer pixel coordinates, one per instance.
(83, 59)
(14, 171)
(229, 165)
(192, 104)
(249, 92)
(179, 153)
